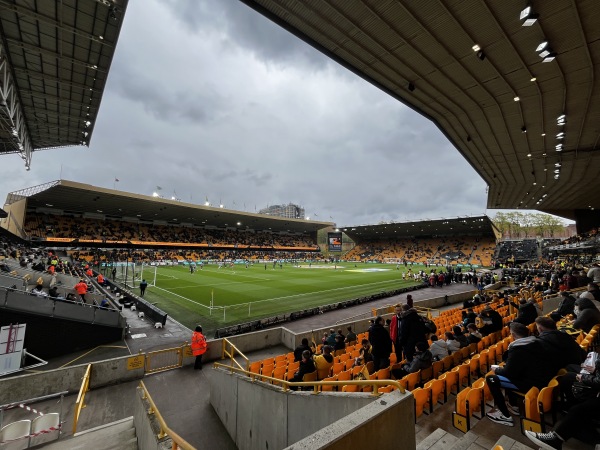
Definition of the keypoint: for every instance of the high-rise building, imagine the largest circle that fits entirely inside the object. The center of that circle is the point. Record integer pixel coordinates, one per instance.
(290, 211)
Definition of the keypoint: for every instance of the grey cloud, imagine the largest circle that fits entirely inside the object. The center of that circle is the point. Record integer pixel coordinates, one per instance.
(249, 30)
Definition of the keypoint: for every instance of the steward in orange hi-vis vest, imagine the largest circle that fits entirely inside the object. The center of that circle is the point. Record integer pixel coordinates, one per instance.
(198, 346)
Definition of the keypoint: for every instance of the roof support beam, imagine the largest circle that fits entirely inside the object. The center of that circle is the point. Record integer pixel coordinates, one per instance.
(11, 110)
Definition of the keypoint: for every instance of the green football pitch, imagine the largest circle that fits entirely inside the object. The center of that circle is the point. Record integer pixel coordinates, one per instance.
(239, 294)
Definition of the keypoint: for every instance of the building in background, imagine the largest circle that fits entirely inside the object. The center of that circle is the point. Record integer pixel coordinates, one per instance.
(290, 211)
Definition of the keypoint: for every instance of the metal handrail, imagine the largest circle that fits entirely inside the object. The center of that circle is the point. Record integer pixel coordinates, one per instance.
(79, 404)
(231, 354)
(178, 441)
(315, 384)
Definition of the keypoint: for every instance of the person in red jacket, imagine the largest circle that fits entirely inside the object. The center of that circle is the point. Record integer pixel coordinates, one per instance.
(395, 331)
(81, 288)
(198, 346)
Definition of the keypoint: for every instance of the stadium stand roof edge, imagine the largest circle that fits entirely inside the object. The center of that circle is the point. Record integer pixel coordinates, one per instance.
(79, 198)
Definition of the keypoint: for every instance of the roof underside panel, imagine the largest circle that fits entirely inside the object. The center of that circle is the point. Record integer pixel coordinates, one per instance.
(60, 55)
(471, 97)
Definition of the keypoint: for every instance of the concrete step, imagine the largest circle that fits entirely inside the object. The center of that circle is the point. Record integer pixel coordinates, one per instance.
(118, 435)
(442, 440)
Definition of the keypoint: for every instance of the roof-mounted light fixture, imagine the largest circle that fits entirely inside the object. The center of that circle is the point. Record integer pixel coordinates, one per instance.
(561, 120)
(560, 135)
(523, 129)
(528, 16)
(559, 147)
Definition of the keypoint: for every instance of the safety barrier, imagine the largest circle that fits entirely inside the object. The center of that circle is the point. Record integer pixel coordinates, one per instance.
(79, 404)
(178, 441)
(167, 359)
(231, 354)
(285, 385)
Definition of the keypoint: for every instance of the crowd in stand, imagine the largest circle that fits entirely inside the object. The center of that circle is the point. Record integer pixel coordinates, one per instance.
(44, 226)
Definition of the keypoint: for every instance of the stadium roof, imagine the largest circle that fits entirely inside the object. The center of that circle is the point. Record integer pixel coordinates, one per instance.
(77, 198)
(460, 226)
(473, 69)
(54, 62)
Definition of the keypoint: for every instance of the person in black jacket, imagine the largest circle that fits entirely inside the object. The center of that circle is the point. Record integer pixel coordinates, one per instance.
(587, 315)
(579, 420)
(492, 321)
(307, 365)
(412, 330)
(526, 366)
(527, 312)
(300, 349)
(422, 359)
(382, 344)
(561, 349)
(565, 307)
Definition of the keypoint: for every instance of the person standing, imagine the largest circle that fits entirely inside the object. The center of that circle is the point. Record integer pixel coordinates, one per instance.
(395, 331)
(81, 288)
(198, 346)
(114, 273)
(143, 286)
(381, 343)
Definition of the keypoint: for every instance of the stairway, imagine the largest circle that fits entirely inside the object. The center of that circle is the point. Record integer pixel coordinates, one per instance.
(119, 435)
(441, 440)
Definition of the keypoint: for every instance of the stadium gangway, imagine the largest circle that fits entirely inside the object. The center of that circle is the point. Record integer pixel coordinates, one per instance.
(364, 315)
(177, 441)
(285, 385)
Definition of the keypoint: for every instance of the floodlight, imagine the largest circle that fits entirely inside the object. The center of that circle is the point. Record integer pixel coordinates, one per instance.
(528, 17)
(476, 48)
(206, 204)
(549, 58)
(560, 135)
(544, 53)
(155, 194)
(516, 99)
(542, 46)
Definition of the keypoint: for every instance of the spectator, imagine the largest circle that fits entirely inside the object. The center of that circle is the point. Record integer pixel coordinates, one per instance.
(527, 312)
(469, 317)
(594, 273)
(395, 331)
(81, 288)
(331, 338)
(490, 321)
(439, 348)
(412, 330)
(422, 359)
(452, 344)
(592, 293)
(300, 349)
(526, 366)
(381, 343)
(339, 343)
(562, 349)
(579, 420)
(143, 286)
(365, 354)
(198, 346)
(587, 314)
(565, 307)
(460, 337)
(351, 336)
(473, 335)
(307, 365)
(323, 362)
(38, 291)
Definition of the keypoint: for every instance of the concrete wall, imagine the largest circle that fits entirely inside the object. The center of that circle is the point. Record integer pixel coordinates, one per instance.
(147, 426)
(382, 424)
(23, 387)
(242, 406)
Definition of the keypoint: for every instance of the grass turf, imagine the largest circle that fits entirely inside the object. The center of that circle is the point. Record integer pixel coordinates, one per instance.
(243, 294)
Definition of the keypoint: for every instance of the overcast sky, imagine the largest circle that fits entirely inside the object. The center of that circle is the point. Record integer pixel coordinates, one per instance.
(210, 99)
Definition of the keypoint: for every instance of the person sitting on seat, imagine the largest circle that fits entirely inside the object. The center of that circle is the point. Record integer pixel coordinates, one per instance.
(38, 291)
(561, 347)
(339, 343)
(323, 362)
(587, 315)
(452, 344)
(307, 365)
(439, 348)
(460, 337)
(351, 336)
(473, 335)
(365, 354)
(422, 359)
(565, 307)
(527, 365)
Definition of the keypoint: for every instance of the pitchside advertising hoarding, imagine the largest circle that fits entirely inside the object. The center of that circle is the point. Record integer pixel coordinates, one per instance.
(335, 242)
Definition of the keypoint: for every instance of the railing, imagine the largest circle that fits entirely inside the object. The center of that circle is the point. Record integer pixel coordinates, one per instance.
(231, 354)
(285, 385)
(167, 359)
(178, 441)
(79, 404)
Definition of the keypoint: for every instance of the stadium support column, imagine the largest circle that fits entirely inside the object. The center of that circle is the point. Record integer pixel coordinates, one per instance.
(11, 111)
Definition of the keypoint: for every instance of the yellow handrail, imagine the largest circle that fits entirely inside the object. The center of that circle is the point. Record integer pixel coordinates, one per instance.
(79, 404)
(316, 384)
(231, 354)
(178, 441)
